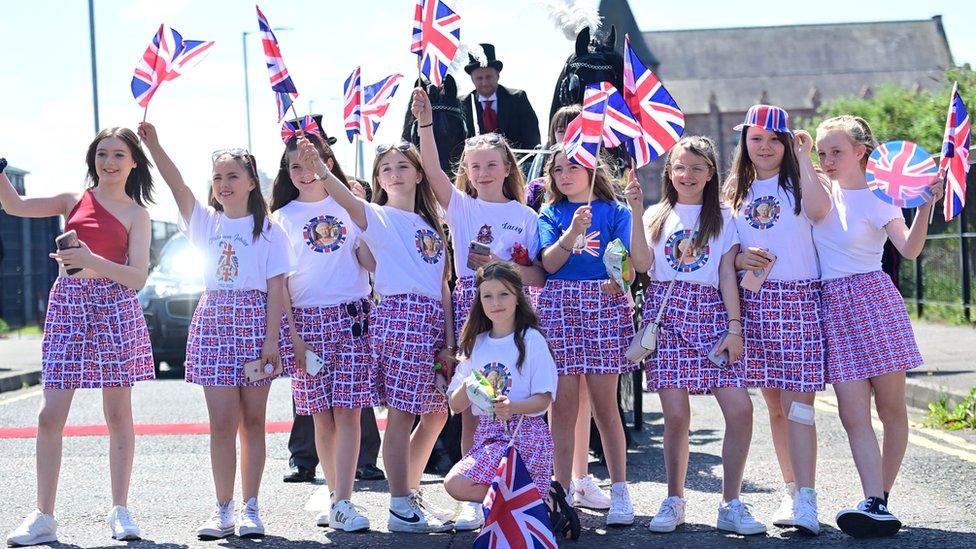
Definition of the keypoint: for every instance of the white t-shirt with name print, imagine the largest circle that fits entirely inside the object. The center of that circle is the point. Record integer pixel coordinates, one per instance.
(674, 252)
(409, 253)
(766, 220)
(498, 225)
(234, 259)
(850, 239)
(324, 241)
(496, 359)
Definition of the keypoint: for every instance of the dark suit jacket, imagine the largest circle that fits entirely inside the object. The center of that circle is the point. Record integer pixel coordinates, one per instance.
(516, 119)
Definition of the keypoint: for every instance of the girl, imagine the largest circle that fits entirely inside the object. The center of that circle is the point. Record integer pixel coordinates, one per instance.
(95, 336)
(589, 328)
(237, 321)
(856, 294)
(412, 327)
(501, 339)
(486, 208)
(784, 349)
(330, 320)
(690, 261)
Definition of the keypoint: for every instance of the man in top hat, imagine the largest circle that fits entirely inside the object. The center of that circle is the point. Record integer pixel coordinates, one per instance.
(499, 109)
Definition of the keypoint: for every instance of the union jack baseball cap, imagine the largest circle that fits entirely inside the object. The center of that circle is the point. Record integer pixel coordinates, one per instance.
(767, 117)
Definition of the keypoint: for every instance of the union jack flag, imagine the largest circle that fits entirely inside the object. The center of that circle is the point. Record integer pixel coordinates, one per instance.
(281, 84)
(440, 39)
(416, 38)
(899, 172)
(659, 116)
(376, 101)
(955, 155)
(166, 58)
(605, 116)
(515, 515)
(353, 102)
(589, 243)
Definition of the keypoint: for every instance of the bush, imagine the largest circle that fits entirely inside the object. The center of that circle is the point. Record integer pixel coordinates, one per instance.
(962, 416)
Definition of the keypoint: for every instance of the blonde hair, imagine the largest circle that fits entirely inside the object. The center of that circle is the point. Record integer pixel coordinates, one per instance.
(857, 130)
(514, 185)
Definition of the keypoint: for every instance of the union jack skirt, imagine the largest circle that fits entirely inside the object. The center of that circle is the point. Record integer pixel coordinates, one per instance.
(491, 438)
(406, 332)
(784, 346)
(694, 319)
(866, 326)
(94, 336)
(227, 330)
(346, 380)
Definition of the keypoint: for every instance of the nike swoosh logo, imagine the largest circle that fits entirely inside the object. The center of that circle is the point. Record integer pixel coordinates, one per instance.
(414, 518)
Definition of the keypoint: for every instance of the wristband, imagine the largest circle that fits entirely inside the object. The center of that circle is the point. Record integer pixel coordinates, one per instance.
(563, 248)
(739, 320)
(425, 125)
(3, 164)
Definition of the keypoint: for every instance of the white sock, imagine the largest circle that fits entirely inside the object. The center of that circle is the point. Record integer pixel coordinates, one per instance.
(619, 486)
(400, 503)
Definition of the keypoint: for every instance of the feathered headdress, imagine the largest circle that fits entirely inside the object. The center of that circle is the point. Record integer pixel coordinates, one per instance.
(461, 58)
(572, 16)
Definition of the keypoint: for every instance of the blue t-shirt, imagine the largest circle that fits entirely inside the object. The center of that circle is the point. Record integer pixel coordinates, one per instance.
(610, 220)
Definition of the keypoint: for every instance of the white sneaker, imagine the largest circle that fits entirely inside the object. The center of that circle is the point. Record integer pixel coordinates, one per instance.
(806, 511)
(220, 524)
(122, 525)
(783, 516)
(322, 519)
(443, 515)
(406, 515)
(586, 493)
(346, 517)
(470, 516)
(249, 523)
(37, 528)
(735, 516)
(669, 516)
(621, 509)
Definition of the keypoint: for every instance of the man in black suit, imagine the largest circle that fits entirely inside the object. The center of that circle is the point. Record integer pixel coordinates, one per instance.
(499, 109)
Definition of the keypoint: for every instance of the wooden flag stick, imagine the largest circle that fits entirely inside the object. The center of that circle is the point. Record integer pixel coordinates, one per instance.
(474, 113)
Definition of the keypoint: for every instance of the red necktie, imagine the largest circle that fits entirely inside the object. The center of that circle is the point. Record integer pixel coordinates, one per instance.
(490, 118)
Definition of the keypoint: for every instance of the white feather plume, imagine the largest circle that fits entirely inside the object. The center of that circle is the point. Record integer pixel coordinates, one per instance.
(572, 16)
(461, 57)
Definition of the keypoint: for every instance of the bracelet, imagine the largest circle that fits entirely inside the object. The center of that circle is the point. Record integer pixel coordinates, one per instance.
(425, 125)
(451, 348)
(739, 320)
(563, 248)
(3, 164)
(735, 334)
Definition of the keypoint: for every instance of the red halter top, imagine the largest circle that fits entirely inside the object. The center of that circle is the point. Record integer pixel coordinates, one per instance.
(104, 234)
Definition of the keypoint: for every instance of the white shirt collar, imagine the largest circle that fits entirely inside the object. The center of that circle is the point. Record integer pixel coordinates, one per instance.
(494, 98)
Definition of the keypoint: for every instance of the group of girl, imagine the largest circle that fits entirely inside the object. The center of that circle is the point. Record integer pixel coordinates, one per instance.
(532, 310)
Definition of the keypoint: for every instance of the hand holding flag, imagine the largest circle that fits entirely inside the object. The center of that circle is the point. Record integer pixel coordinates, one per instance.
(167, 56)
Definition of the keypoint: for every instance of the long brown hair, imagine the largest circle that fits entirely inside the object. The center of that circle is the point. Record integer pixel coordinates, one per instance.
(284, 190)
(139, 184)
(478, 322)
(256, 205)
(743, 172)
(603, 189)
(424, 202)
(710, 219)
(514, 185)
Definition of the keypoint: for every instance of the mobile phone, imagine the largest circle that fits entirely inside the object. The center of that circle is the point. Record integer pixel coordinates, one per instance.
(67, 241)
(477, 248)
(753, 279)
(256, 370)
(313, 363)
(719, 359)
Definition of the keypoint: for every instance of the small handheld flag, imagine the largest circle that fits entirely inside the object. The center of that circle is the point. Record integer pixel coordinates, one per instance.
(899, 172)
(352, 91)
(376, 101)
(167, 56)
(281, 83)
(440, 39)
(659, 116)
(955, 155)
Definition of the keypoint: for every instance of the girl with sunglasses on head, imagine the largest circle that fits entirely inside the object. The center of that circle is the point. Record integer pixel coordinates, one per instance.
(328, 319)
(412, 327)
(489, 221)
(587, 321)
(237, 321)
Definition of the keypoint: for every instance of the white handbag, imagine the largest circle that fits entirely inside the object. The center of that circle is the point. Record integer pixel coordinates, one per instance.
(645, 341)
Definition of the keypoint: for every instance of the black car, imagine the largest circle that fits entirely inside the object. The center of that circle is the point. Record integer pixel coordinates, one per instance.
(169, 298)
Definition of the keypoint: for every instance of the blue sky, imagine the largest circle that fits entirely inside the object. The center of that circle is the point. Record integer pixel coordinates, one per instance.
(45, 86)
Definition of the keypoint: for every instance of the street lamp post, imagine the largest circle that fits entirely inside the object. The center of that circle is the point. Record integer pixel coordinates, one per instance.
(247, 88)
(91, 35)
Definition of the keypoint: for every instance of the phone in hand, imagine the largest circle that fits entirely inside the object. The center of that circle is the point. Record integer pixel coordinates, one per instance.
(67, 241)
(479, 249)
(256, 370)
(753, 279)
(313, 363)
(719, 359)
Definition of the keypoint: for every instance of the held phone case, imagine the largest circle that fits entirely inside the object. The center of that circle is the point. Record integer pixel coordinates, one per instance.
(66, 241)
(753, 280)
(720, 360)
(313, 363)
(477, 248)
(256, 370)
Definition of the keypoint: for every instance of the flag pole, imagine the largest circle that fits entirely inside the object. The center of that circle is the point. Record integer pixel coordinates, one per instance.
(145, 112)
(355, 155)
(942, 172)
(474, 113)
(596, 159)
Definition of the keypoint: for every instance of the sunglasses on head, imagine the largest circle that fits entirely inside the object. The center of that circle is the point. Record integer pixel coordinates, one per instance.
(488, 138)
(360, 328)
(402, 146)
(236, 152)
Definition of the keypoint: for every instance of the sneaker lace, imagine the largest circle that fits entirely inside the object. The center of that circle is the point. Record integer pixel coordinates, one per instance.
(744, 510)
(669, 509)
(251, 512)
(124, 517)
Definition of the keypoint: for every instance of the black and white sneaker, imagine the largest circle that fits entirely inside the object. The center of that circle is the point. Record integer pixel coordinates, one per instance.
(870, 519)
(407, 516)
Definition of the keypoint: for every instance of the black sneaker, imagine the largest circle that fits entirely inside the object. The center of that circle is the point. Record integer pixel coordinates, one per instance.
(870, 519)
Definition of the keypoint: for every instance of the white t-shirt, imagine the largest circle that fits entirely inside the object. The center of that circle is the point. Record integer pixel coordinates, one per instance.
(766, 220)
(409, 253)
(496, 359)
(850, 239)
(499, 225)
(324, 241)
(234, 259)
(672, 251)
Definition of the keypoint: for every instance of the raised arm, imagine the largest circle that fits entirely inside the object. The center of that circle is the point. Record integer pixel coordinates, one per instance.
(813, 185)
(185, 200)
(337, 189)
(48, 206)
(640, 252)
(439, 181)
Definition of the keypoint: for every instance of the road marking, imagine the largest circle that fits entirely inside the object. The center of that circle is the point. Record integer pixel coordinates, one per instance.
(146, 429)
(29, 394)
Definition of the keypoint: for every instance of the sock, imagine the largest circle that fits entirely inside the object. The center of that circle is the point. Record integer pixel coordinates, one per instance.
(400, 503)
(619, 486)
(886, 498)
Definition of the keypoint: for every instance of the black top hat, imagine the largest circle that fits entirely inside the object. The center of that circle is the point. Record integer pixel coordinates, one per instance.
(489, 55)
(318, 121)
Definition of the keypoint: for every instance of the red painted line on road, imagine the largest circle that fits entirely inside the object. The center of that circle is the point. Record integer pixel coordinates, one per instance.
(151, 429)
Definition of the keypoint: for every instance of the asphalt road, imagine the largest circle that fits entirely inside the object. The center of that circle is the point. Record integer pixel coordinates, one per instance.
(172, 489)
